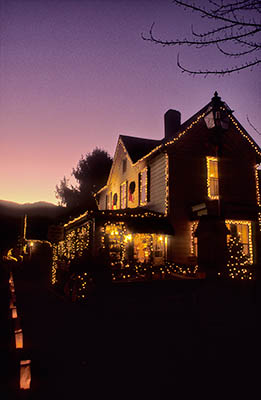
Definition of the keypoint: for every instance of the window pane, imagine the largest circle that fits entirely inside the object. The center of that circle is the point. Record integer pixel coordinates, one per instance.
(213, 168)
(212, 171)
(243, 231)
(213, 186)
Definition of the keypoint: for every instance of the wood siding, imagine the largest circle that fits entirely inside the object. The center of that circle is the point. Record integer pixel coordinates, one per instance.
(188, 182)
(117, 177)
(157, 183)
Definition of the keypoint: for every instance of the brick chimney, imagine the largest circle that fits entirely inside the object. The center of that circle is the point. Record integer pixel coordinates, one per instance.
(172, 120)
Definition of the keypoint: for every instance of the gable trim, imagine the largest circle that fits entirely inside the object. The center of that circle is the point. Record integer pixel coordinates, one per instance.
(244, 134)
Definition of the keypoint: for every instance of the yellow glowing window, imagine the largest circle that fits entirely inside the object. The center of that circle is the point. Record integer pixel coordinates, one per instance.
(212, 177)
(244, 231)
(123, 195)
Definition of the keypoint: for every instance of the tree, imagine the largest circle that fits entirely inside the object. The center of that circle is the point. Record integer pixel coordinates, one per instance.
(238, 262)
(91, 174)
(236, 256)
(235, 33)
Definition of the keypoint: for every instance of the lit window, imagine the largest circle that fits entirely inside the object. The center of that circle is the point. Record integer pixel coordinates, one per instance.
(212, 177)
(143, 187)
(143, 247)
(123, 195)
(243, 230)
(114, 201)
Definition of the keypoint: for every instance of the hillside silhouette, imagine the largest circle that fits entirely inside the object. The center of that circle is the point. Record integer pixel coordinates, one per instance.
(39, 216)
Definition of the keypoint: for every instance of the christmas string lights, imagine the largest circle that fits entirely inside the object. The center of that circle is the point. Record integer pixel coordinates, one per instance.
(250, 141)
(258, 200)
(166, 184)
(193, 245)
(75, 242)
(229, 222)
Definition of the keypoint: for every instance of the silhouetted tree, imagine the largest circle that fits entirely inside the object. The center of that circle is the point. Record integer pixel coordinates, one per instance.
(235, 33)
(67, 195)
(91, 174)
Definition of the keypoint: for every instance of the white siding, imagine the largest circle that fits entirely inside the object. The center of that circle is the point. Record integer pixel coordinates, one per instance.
(158, 184)
(117, 177)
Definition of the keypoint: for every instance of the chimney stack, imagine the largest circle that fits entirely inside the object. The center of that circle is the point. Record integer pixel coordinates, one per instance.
(172, 121)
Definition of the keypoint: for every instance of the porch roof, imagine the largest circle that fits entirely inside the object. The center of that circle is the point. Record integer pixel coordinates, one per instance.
(138, 220)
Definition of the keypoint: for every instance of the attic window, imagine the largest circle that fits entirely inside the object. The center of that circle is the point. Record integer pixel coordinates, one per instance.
(124, 165)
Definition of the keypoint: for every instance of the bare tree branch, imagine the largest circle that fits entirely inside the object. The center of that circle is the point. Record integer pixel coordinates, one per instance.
(259, 133)
(185, 41)
(237, 25)
(214, 15)
(229, 54)
(216, 72)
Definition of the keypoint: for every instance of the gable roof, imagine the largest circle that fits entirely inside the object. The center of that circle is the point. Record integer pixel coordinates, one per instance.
(138, 147)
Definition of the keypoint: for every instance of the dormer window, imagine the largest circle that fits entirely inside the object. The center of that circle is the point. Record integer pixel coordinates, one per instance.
(212, 178)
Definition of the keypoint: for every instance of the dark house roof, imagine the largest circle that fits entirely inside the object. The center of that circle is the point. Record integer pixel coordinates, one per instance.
(138, 147)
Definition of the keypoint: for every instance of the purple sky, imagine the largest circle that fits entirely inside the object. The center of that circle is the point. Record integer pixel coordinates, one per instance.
(74, 74)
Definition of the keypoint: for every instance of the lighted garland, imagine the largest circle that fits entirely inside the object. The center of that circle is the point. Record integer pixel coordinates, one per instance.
(255, 147)
(166, 184)
(193, 228)
(138, 271)
(117, 231)
(257, 187)
(54, 263)
(258, 197)
(75, 242)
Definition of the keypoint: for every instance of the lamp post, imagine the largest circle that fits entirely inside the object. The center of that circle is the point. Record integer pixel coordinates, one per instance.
(212, 231)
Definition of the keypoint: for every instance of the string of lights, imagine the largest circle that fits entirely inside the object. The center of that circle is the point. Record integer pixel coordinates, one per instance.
(166, 184)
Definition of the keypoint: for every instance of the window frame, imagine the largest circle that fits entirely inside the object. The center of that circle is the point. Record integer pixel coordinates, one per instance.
(249, 245)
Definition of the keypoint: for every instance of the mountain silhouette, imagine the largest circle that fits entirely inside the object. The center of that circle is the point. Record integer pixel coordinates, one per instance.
(39, 216)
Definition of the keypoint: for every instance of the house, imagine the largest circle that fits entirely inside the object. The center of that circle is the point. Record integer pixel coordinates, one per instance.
(179, 200)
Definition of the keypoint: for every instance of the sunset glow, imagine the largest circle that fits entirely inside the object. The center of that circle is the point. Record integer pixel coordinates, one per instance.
(74, 75)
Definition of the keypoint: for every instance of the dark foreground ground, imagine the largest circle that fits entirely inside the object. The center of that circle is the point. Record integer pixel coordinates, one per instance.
(166, 340)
